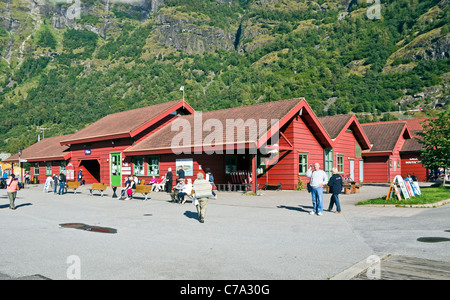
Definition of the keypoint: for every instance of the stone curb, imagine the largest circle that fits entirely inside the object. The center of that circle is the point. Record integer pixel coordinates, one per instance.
(427, 205)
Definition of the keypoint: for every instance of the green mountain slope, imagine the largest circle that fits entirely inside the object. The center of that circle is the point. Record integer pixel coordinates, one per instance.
(62, 69)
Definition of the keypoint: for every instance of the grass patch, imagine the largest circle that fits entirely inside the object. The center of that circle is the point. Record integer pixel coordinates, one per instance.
(429, 195)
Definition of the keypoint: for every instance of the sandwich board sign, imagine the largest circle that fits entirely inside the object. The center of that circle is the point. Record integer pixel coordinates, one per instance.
(399, 180)
(393, 190)
(414, 186)
(409, 188)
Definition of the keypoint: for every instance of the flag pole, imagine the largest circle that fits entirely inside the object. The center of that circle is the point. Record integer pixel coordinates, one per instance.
(182, 89)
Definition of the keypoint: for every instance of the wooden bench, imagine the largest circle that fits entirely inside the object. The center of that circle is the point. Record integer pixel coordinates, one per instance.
(351, 188)
(101, 187)
(273, 186)
(233, 187)
(143, 189)
(72, 185)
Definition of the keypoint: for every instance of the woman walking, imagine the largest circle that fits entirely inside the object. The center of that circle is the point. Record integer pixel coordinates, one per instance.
(12, 186)
(335, 185)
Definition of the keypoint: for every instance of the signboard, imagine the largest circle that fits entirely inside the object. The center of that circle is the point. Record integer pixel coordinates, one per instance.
(70, 172)
(399, 180)
(414, 186)
(188, 166)
(126, 170)
(87, 152)
(409, 188)
(393, 189)
(413, 160)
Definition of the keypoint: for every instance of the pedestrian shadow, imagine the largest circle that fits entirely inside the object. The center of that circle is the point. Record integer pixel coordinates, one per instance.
(191, 215)
(17, 206)
(300, 208)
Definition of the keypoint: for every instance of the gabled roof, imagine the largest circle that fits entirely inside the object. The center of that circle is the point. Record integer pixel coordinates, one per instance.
(47, 149)
(384, 136)
(337, 125)
(126, 123)
(282, 110)
(414, 127)
(412, 145)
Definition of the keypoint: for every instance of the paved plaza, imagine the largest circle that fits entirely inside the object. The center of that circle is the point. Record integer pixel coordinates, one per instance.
(243, 237)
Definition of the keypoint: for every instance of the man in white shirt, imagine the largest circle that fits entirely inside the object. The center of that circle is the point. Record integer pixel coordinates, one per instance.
(318, 179)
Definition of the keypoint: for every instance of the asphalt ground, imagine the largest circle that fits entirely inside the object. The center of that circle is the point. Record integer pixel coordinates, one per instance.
(269, 237)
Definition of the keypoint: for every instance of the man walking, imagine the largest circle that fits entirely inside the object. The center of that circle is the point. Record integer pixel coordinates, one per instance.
(318, 179)
(62, 183)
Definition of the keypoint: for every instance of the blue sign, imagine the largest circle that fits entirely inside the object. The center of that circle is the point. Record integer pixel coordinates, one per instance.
(87, 152)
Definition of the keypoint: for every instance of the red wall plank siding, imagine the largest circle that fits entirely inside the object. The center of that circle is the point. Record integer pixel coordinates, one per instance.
(412, 165)
(346, 146)
(306, 142)
(286, 171)
(100, 152)
(376, 168)
(42, 176)
(395, 158)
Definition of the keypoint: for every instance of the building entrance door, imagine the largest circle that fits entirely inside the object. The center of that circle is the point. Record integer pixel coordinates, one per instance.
(115, 169)
(352, 169)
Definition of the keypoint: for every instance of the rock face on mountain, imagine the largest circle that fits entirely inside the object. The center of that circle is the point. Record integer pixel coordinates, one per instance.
(60, 57)
(191, 34)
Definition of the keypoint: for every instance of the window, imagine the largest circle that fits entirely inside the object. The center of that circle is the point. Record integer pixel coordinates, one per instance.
(62, 166)
(36, 169)
(261, 168)
(340, 163)
(230, 163)
(328, 161)
(357, 150)
(153, 165)
(302, 163)
(48, 168)
(138, 166)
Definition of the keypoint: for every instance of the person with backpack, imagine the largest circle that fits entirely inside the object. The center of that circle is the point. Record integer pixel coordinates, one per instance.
(62, 183)
(55, 183)
(210, 178)
(12, 186)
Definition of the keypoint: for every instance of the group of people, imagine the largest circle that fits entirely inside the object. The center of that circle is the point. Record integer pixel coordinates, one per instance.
(183, 189)
(315, 186)
(56, 181)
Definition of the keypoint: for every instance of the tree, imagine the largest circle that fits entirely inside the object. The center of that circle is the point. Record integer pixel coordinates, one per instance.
(436, 141)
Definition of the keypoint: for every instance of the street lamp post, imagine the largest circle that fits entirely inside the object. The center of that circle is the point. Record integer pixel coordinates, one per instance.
(19, 151)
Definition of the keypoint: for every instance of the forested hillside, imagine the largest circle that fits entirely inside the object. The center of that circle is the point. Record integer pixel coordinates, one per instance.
(65, 65)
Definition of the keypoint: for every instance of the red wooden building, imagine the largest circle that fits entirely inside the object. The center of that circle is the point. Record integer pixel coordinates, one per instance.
(410, 152)
(275, 140)
(97, 149)
(238, 140)
(382, 162)
(349, 140)
(46, 157)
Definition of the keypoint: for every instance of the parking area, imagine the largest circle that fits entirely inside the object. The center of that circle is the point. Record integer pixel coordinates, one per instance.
(243, 237)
